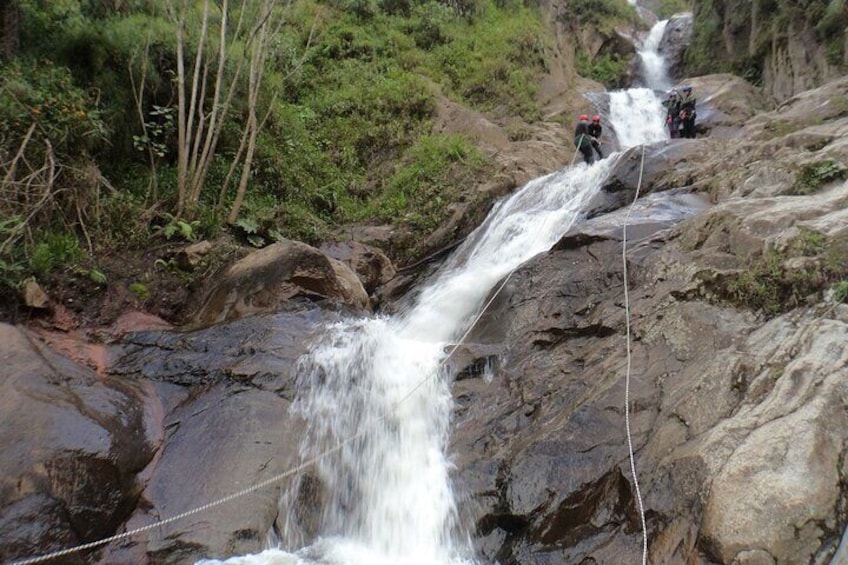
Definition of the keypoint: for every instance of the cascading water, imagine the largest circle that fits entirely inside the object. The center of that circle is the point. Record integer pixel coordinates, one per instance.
(637, 116)
(652, 62)
(377, 399)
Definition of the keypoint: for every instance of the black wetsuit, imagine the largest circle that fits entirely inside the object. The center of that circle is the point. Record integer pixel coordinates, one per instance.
(687, 115)
(594, 129)
(583, 141)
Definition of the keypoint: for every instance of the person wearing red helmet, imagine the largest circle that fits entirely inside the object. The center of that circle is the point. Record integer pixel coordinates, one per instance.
(594, 130)
(582, 139)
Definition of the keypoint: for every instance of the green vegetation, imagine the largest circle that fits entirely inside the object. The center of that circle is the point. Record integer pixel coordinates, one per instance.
(723, 39)
(607, 66)
(812, 176)
(608, 69)
(335, 128)
(809, 243)
(426, 182)
(139, 290)
(52, 251)
(668, 8)
(840, 292)
(604, 14)
(769, 285)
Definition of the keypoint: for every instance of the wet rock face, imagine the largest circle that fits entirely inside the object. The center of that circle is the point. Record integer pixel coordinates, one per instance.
(225, 393)
(729, 410)
(73, 445)
(675, 39)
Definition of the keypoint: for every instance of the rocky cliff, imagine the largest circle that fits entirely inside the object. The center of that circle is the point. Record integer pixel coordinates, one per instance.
(787, 47)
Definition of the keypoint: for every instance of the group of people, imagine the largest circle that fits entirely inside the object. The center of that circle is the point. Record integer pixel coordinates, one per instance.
(587, 137)
(680, 113)
(680, 120)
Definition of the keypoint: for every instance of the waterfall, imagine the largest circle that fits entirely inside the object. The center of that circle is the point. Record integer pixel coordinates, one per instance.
(637, 116)
(377, 399)
(653, 64)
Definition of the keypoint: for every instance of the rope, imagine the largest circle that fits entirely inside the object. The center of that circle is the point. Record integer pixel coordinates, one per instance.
(577, 150)
(627, 375)
(279, 477)
(199, 509)
(308, 463)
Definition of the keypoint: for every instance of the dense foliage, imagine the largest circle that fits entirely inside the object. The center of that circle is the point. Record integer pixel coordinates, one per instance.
(725, 41)
(90, 106)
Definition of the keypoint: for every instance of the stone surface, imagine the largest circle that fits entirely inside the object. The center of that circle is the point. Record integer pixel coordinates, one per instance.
(264, 280)
(73, 444)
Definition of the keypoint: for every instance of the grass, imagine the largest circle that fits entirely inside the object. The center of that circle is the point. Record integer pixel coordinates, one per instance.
(811, 177)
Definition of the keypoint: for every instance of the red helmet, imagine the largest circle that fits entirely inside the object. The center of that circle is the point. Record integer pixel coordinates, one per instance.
(584, 118)
(596, 119)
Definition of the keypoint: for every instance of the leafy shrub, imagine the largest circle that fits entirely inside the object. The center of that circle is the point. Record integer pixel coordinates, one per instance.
(494, 63)
(430, 25)
(172, 227)
(840, 292)
(52, 251)
(362, 9)
(812, 176)
(121, 220)
(425, 184)
(44, 95)
(371, 113)
(609, 69)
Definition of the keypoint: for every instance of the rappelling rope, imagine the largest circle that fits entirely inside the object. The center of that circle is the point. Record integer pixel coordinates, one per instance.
(305, 464)
(199, 509)
(627, 375)
(276, 478)
(577, 148)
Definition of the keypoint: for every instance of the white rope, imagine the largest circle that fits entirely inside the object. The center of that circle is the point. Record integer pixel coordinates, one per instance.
(159, 523)
(305, 464)
(627, 375)
(276, 478)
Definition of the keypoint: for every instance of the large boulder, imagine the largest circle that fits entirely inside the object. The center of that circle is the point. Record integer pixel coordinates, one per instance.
(372, 266)
(725, 103)
(675, 39)
(264, 280)
(225, 394)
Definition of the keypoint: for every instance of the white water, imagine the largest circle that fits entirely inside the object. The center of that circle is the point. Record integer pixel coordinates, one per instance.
(654, 67)
(376, 386)
(638, 116)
